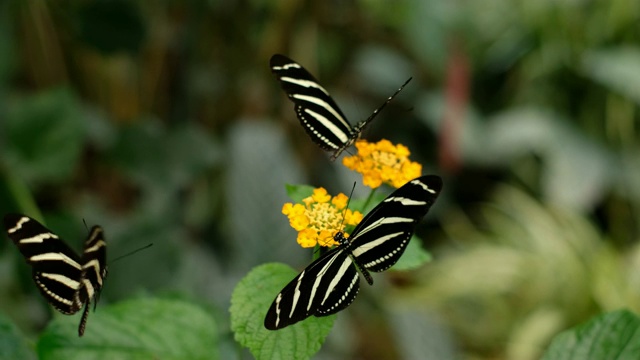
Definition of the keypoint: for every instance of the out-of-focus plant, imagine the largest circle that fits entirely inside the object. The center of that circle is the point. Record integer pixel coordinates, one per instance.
(526, 271)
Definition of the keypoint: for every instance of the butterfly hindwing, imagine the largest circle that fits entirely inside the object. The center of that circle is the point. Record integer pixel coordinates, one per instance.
(382, 236)
(315, 291)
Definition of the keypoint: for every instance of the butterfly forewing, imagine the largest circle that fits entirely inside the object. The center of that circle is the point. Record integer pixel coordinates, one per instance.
(56, 267)
(319, 290)
(331, 282)
(318, 113)
(65, 279)
(382, 236)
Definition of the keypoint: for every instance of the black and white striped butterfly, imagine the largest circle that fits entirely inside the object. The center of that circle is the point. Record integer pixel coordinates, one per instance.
(318, 113)
(66, 280)
(331, 283)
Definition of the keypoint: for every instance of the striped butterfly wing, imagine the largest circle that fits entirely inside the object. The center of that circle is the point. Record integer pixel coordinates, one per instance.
(94, 271)
(382, 236)
(325, 287)
(56, 267)
(65, 280)
(94, 262)
(320, 116)
(331, 283)
(318, 113)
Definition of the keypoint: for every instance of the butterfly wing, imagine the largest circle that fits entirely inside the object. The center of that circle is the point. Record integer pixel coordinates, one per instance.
(318, 113)
(94, 262)
(331, 283)
(381, 237)
(56, 267)
(94, 271)
(325, 287)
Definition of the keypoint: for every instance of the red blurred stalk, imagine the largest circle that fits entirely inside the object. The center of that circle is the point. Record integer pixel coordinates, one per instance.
(456, 98)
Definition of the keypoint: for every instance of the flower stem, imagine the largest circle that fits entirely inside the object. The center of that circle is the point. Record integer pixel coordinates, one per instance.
(316, 252)
(366, 203)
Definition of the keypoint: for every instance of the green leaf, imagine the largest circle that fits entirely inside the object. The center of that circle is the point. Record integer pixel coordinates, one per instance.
(250, 302)
(136, 329)
(12, 344)
(44, 136)
(298, 192)
(615, 335)
(414, 256)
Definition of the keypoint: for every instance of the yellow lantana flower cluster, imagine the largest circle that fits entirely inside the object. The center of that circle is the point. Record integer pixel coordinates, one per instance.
(382, 162)
(320, 217)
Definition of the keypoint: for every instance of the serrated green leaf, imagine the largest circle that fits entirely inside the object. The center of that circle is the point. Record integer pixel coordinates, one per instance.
(44, 136)
(298, 192)
(414, 256)
(12, 344)
(614, 335)
(135, 329)
(250, 302)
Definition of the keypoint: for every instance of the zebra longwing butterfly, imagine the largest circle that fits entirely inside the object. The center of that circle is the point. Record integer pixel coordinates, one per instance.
(66, 280)
(318, 113)
(331, 283)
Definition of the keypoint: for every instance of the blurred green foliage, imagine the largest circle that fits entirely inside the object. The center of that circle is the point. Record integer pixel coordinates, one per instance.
(612, 335)
(162, 123)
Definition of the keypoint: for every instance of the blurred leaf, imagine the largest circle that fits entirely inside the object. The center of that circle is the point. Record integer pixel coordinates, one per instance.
(249, 305)
(578, 172)
(112, 26)
(141, 271)
(419, 335)
(614, 335)
(577, 169)
(424, 31)
(135, 329)
(551, 257)
(381, 70)
(259, 162)
(44, 135)
(155, 156)
(299, 192)
(414, 256)
(12, 344)
(617, 68)
(20, 195)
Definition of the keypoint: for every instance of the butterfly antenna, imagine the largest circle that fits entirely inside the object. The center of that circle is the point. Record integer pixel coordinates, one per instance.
(131, 253)
(336, 236)
(348, 201)
(85, 224)
(376, 111)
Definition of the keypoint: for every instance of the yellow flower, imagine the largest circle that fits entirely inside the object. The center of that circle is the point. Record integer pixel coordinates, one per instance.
(383, 162)
(320, 217)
